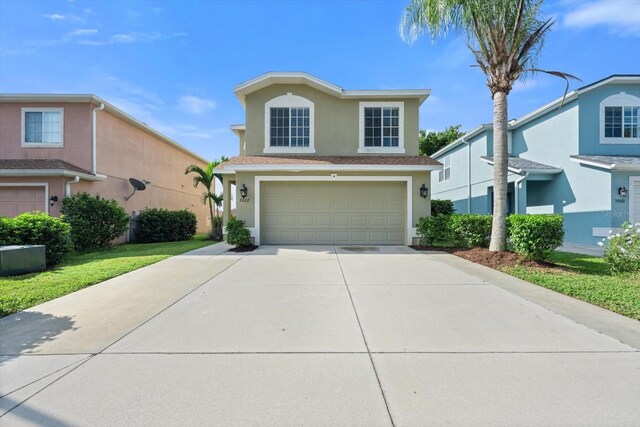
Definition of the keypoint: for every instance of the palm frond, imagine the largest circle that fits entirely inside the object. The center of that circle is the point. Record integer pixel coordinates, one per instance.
(562, 75)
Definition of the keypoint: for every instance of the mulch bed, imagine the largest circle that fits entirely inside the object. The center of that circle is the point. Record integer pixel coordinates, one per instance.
(243, 248)
(484, 256)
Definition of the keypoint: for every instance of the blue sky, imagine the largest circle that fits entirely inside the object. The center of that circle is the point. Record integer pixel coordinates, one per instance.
(173, 64)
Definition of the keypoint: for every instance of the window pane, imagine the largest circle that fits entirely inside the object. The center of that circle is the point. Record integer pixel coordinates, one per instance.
(279, 127)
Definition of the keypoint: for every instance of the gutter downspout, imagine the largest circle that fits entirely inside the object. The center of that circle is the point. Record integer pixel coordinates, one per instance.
(516, 184)
(67, 186)
(93, 138)
(468, 174)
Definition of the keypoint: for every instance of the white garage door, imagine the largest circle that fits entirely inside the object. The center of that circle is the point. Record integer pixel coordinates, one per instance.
(634, 199)
(17, 200)
(333, 213)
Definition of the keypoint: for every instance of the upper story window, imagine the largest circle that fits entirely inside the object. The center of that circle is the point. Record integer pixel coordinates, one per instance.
(620, 119)
(381, 127)
(42, 127)
(289, 125)
(445, 173)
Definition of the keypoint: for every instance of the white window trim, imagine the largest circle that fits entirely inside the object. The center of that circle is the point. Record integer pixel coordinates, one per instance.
(292, 101)
(444, 168)
(632, 181)
(24, 144)
(32, 184)
(621, 99)
(410, 231)
(400, 148)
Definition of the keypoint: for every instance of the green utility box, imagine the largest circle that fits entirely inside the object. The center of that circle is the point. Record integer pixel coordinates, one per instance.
(16, 260)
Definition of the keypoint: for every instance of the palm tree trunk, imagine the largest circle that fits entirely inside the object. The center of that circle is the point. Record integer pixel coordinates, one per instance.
(500, 171)
(213, 231)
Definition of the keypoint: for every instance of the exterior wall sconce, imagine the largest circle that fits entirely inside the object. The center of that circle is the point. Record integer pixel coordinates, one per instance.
(53, 200)
(424, 191)
(622, 191)
(244, 191)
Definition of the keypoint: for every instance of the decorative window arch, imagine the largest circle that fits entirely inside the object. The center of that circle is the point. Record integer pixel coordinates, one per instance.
(289, 125)
(620, 119)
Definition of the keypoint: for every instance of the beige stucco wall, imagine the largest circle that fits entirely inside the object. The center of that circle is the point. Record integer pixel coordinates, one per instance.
(336, 120)
(125, 151)
(246, 210)
(76, 134)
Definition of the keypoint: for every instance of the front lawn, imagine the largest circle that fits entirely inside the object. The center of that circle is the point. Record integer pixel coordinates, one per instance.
(587, 278)
(82, 270)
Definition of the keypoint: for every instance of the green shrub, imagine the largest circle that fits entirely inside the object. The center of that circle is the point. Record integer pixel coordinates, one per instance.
(471, 230)
(216, 230)
(95, 221)
(535, 236)
(237, 233)
(162, 225)
(6, 231)
(38, 228)
(431, 229)
(442, 207)
(622, 250)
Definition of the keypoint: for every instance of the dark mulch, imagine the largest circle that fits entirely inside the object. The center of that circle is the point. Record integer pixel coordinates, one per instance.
(484, 256)
(243, 248)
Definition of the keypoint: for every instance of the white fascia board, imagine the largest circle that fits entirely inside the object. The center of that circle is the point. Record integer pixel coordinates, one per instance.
(528, 171)
(238, 129)
(314, 168)
(464, 139)
(626, 168)
(607, 166)
(421, 94)
(51, 172)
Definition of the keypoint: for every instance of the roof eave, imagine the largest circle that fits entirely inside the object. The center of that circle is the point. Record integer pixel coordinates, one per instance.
(230, 169)
(464, 139)
(52, 172)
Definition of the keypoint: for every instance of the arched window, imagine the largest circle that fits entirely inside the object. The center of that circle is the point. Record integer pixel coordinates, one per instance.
(620, 119)
(288, 125)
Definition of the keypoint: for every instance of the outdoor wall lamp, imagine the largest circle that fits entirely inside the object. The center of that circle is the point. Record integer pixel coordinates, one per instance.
(244, 191)
(622, 191)
(53, 200)
(424, 191)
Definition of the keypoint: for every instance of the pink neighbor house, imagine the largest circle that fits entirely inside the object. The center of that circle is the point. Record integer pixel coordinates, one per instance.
(52, 146)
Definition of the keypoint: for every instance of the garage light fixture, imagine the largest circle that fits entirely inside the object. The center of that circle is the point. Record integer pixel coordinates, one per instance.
(622, 191)
(53, 200)
(244, 191)
(424, 191)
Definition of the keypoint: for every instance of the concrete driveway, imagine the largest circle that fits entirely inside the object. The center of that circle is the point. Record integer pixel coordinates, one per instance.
(345, 336)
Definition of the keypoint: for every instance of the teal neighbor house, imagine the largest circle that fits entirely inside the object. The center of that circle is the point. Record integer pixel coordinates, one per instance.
(579, 158)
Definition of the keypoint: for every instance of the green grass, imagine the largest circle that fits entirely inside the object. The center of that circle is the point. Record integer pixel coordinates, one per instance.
(82, 270)
(589, 279)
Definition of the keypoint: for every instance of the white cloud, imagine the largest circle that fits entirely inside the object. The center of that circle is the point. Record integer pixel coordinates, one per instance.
(126, 38)
(61, 17)
(83, 32)
(621, 16)
(195, 105)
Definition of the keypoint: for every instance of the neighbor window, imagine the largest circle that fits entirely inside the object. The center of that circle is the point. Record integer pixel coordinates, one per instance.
(445, 173)
(289, 127)
(42, 127)
(381, 127)
(620, 119)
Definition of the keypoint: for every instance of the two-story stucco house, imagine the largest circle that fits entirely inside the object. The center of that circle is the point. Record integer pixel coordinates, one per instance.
(580, 158)
(319, 164)
(52, 146)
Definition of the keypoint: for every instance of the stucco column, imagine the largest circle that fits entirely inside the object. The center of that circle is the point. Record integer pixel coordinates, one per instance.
(226, 201)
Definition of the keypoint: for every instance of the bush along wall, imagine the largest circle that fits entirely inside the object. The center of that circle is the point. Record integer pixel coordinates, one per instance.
(536, 236)
(237, 233)
(162, 225)
(36, 228)
(442, 207)
(95, 221)
(471, 230)
(432, 229)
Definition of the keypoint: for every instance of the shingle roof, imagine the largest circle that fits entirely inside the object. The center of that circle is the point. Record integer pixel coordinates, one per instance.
(520, 165)
(329, 161)
(40, 164)
(610, 161)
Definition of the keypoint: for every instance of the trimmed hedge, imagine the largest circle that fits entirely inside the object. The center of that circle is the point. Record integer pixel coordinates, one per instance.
(95, 221)
(36, 228)
(431, 229)
(536, 236)
(237, 233)
(442, 207)
(471, 230)
(161, 225)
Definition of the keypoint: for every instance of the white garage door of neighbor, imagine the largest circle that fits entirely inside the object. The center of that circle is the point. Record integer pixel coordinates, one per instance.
(333, 213)
(634, 200)
(17, 200)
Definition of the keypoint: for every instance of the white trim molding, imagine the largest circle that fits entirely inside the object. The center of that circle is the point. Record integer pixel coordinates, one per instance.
(409, 234)
(391, 150)
(288, 101)
(25, 144)
(633, 180)
(621, 99)
(32, 184)
(51, 172)
(604, 231)
(320, 168)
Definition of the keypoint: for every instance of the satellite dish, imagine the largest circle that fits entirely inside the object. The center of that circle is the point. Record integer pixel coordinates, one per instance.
(137, 186)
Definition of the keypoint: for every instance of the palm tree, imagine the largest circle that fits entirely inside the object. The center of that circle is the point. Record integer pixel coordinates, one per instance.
(506, 37)
(207, 177)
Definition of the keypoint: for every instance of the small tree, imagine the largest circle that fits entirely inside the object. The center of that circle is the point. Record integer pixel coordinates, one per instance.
(207, 177)
(434, 141)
